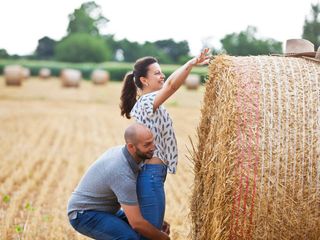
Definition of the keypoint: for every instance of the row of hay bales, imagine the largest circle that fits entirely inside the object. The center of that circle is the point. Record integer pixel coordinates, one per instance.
(15, 74)
(72, 77)
(257, 158)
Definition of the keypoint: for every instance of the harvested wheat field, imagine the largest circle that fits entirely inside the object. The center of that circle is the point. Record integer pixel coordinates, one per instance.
(49, 135)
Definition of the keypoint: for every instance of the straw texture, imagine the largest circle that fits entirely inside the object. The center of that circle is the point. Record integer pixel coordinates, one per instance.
(257, 159)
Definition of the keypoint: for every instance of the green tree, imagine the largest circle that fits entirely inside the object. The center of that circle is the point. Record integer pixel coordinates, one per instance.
(166, 51)
(87, 19)
(134, 50)
(175, 50)
(112, 43)
(82, 47)
(151, 49)
(311, 27)
(131, 50)
(45, 48)
(245, 43)
(4, 53)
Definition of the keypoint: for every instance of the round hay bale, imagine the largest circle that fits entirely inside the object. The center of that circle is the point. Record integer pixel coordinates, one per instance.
(71, 77)
(25, 73)
(13, 75)
(192, 81)
(44, 73)
(256, 162)
(100, 76)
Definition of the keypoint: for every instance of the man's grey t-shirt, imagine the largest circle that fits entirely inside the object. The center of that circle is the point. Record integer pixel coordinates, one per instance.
(110, 181)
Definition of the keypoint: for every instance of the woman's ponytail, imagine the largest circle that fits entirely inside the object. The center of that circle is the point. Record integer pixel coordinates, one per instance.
(128, 95)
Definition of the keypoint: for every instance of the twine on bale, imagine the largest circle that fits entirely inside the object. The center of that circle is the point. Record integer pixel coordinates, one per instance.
(256, 162)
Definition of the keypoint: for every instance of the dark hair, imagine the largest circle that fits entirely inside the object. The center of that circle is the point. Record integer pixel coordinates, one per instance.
(132, 82)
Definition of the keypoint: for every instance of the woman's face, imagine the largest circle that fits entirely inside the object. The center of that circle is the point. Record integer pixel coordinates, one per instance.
(155, 77)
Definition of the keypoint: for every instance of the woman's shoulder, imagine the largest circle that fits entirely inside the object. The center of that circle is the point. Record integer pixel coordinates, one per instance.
(148, 95)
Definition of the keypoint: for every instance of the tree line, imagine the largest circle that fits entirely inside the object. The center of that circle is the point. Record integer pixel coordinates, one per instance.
(85, 43)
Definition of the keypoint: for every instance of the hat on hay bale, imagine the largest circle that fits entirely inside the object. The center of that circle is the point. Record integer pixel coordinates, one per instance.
(302, 48)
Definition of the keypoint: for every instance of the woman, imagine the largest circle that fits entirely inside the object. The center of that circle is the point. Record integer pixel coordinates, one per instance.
(148, 78)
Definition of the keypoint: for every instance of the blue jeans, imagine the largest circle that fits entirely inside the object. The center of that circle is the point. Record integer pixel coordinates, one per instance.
(151, 195)
(104, 226)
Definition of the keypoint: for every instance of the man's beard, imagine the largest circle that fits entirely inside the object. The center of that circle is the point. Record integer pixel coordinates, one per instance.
(144, 156)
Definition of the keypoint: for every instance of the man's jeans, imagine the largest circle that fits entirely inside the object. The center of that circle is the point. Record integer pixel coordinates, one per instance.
(104, 226)
(151, 195)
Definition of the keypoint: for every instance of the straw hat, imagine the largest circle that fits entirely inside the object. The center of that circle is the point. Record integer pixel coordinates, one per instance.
(302, 48)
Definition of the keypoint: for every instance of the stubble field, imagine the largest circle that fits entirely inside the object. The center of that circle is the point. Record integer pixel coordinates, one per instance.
(49, 135)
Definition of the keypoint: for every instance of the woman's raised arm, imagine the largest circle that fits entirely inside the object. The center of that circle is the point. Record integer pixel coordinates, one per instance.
(178, 77)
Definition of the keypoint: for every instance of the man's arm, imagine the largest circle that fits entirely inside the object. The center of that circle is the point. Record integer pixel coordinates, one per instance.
(142, 226)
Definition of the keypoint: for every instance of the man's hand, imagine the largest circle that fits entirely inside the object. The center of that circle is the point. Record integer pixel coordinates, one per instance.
(166, 227)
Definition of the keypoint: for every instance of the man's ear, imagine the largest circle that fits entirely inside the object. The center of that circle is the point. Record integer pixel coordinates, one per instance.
(131, 147)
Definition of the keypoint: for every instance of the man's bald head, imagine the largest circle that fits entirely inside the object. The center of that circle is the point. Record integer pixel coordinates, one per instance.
(135, 133)
(139, 142)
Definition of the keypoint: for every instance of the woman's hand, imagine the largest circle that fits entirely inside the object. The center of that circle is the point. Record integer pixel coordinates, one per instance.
(202, 59)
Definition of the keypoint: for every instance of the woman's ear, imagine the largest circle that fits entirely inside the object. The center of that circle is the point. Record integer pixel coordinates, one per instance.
(144, 81)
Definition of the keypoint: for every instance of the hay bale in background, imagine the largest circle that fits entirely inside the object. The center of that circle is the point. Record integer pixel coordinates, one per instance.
(192, 81)
(13, 75)
(257, 169)
(100, 76)
(71, 78)
(44, 73)
(26, 73)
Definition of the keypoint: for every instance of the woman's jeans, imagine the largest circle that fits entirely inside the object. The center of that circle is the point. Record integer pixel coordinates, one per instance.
(104, 226)
(151, 195)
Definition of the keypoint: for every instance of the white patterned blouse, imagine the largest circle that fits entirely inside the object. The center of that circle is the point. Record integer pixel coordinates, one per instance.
(160, 123)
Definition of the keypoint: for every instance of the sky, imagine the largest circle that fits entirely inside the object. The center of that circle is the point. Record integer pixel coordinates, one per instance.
(23, 23)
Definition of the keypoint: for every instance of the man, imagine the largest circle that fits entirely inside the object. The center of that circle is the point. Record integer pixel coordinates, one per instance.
(110, 183)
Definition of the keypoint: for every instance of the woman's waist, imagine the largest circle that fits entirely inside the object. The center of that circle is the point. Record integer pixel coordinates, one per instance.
(154, 167)
(155, 160)
(160, 156)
